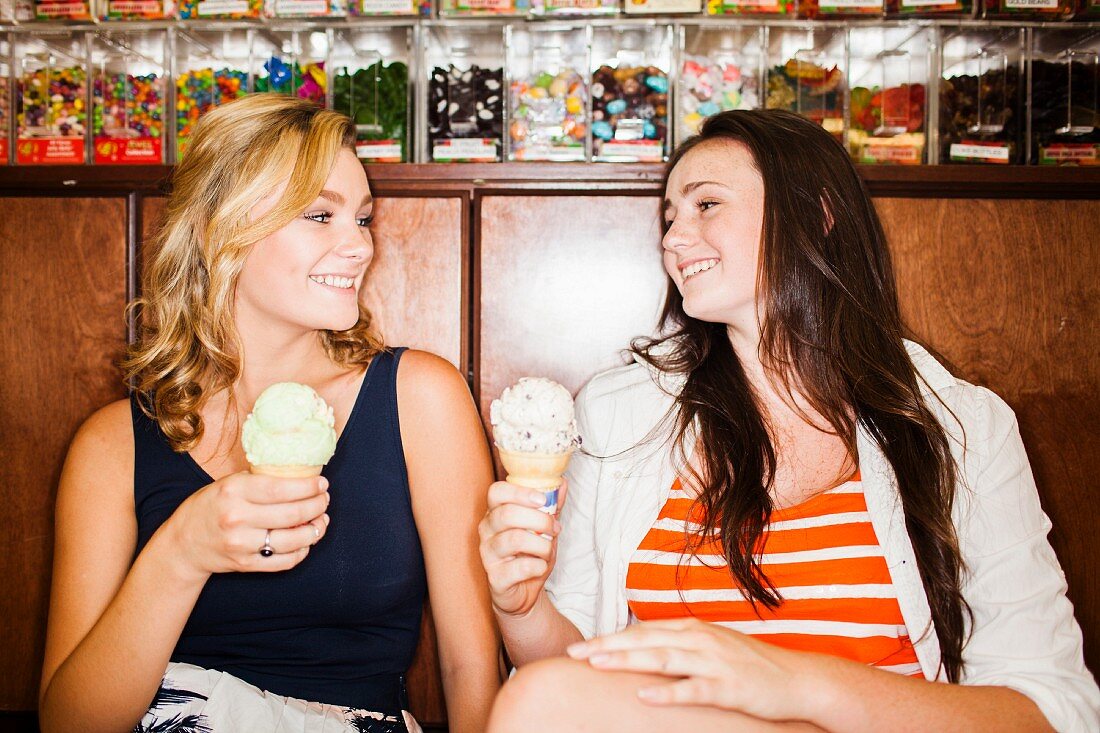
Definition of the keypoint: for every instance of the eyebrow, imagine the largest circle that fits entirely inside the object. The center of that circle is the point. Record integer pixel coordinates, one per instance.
(691, 186)
(339, 200)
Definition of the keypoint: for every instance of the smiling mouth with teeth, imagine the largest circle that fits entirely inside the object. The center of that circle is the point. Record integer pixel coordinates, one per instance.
(696, 267)
(333, 281)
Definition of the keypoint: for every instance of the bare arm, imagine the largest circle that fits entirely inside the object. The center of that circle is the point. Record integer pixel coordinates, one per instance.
(112, 625)
(449, 466)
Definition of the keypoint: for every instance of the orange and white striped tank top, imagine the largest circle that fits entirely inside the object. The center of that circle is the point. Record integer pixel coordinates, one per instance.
(823, 557)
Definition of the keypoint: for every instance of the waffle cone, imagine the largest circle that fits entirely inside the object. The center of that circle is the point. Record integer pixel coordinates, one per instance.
(541, 471)
(287, 471)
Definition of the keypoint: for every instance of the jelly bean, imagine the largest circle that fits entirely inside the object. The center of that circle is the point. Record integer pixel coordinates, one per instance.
(127, 105)
(552, 113)
(706, 109)
(52, 104)
(617, 106)
(603, 130)
(627, 107)
(711, 86)
(649, 130)
(658, 84)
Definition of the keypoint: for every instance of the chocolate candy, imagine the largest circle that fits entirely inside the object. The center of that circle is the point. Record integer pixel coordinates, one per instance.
(995, 122)
(811, 90)
(465, 103)
(51, 105)
(629, 103)
(548, 117)
(1067, 131)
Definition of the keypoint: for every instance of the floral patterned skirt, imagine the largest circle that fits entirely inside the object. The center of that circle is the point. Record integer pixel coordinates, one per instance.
(196, 700)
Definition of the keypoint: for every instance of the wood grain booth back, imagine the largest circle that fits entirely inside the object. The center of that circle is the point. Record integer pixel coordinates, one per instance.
(507, 283)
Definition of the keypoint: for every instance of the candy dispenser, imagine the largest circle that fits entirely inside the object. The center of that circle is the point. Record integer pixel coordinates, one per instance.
(888, 72)
(547, 92)
(465, 105)
(805, 73)
(630, 86)
(370, 84)
(1065, 96)
(291, 62)
(128, 92)
(211, 69)
(721, 67)
(50, 97)
(981, 95)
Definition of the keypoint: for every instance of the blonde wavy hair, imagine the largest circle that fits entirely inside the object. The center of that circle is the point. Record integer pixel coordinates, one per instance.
(188, 347)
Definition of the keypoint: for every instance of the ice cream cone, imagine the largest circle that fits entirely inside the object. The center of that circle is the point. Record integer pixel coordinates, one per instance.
(287, 471)
(534, 470)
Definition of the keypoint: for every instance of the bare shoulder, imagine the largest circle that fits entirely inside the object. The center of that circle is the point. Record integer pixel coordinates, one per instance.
(425, 380)
(102, 452)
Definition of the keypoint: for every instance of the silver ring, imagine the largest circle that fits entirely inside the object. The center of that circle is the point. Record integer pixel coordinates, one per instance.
(267, 550)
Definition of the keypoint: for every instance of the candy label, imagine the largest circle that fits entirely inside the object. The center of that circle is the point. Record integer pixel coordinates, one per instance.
(1031, 4)
(900, 154)
(379, 151)
(50, 151)
(367, 7)
(980, 152)
(1079, 153)
(643, 151)
(482, 150)
(62, 9)
(843, 4)
(301, 7)
(134, 152)
(557, 153)
(135, 9)
(209, 8)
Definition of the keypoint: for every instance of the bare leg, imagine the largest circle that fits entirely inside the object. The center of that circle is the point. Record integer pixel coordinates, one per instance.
(566, 696)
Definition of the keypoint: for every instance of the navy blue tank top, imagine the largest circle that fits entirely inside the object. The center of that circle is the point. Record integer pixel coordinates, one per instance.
(341, 627)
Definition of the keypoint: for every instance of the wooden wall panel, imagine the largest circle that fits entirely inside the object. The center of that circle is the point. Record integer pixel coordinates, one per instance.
(1009, 293)
(415, 284)
(415, 289)
(62, 295)
(565, 283)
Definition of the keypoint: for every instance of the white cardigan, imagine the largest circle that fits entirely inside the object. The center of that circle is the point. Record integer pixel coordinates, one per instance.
(1024, 635)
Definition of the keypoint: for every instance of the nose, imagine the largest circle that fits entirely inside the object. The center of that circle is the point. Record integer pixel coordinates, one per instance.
(357, 246)
(676, 236)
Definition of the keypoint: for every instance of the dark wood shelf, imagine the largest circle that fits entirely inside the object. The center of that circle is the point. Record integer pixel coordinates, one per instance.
(943, 181)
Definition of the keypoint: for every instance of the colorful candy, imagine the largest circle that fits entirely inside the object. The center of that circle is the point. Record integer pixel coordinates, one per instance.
(548, 117)
(50, 116)
(710, 86)
(128, 118)
(200, 90)
(629, 113)
(307, 82)
(810, 89)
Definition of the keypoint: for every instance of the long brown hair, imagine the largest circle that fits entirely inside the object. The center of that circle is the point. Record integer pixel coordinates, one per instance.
(831, 329)
(188, 348)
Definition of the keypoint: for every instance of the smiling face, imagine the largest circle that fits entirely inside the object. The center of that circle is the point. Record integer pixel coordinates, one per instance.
(308, 274)
(714, 214)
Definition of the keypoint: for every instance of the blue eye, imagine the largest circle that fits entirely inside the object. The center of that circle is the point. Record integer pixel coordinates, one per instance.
(321, 217)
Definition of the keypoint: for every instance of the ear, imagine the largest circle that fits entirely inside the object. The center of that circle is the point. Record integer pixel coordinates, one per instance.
(827, 210)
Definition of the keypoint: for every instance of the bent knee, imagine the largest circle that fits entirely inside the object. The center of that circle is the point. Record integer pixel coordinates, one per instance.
(541, 696)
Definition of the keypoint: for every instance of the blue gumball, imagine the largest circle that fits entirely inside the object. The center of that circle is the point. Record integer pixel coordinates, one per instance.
(649, 130)
(602, 130)
(706, 109)
(616, 106)
(658, 84)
